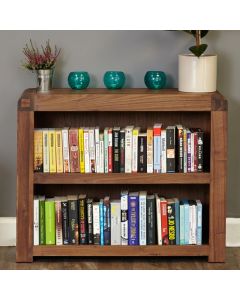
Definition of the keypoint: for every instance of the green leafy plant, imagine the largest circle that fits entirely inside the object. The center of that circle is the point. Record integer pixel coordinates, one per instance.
(199, 48)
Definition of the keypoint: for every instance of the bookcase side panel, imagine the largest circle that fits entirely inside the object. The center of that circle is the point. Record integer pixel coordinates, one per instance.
(25, 186)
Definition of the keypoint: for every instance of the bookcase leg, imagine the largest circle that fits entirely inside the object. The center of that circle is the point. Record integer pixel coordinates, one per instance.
(24, 243)
(217, 232)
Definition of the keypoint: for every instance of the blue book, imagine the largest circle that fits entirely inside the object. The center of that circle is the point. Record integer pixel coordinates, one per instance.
(101, 222)
(199, 222)
(186, 221)
(177, 220)
(133, 219)
(182, 223)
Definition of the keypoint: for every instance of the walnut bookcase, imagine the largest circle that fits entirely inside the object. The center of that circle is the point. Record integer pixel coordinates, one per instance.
(140, 107)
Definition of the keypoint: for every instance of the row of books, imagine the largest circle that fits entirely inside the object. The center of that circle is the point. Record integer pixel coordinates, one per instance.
(126, 150)
(136, 218)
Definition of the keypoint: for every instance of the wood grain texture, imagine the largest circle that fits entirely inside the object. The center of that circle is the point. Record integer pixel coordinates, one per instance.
(25, 186)
(218, 186)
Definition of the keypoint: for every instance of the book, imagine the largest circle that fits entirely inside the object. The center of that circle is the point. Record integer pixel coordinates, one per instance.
(116, 149)
(135, 134)
(42, 231)
(106, 220)
(45, 151)
(199, 222)
(171, 222)
(96, 223)
(59, 151)
(149, 150)
(171, 156)
(185, 150)
(38, 150)
(164, 151)
(180, 162)
(106, 150)
(151, 220)
(90, 220)
(133, 219)
(73, 219)
(194, 147)
(188, 150)
(92, 155)
(35, 221)
(65, 146)
(115, 222)
(142, 152)
(81, 149)
(122, 150)
(101, 153)
(164, 221)
(159, 220)
(142, 218)
(177, 220)
(182, 223)
(65, 222)
(97, 149)
(186, 222)
(157, 148)
(52, 151)
(128, 149)
(73, 150)
(50, 233)
(110, 149)
(58, 216)
(200, 140)
(101, 220)
(192, 222)
(82, 204)
(86, 150)
(124, 218)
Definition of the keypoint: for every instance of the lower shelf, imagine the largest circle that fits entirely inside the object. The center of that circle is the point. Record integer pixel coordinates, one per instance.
(95, 250)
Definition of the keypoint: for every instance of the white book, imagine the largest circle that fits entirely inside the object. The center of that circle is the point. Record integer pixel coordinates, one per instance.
(101, 153)
(164, 151)
(142, 218)
(86, 150)
(115, 222)
(192, 223)
(92, 156)
(65, 146)
(97, 148)
(45, 151)
(149, 150)
(192, 152)
(36, 221)
(128, 149)
(96, 219)
(58, 214)
(135, 134)
(110, 147)
(124, 218)
(159, 221)
(106, 150)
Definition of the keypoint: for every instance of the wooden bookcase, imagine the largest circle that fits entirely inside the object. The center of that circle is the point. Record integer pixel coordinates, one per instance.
(140, 107)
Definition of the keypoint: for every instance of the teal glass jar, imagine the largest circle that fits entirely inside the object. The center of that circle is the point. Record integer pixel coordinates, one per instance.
(155, 79)
(114, 79)
(78, 80)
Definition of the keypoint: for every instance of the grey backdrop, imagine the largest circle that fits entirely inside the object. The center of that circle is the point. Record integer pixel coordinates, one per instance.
(134, 52)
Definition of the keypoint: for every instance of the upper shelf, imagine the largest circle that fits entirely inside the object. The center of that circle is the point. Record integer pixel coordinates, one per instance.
(120, 100)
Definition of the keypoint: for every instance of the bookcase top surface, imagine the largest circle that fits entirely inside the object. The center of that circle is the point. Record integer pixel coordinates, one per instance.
(135, 99)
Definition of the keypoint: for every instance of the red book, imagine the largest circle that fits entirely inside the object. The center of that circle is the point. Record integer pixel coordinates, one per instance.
(110, 156)
(74, 149)
(164, 221)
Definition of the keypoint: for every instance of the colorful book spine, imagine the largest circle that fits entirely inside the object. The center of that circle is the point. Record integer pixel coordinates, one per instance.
(81, 149)
(185, 150)
(186, 222)
(142, 153)
(159, 219)
(157, 148)
(74, 150)
(73, 219)
(50, 222)
(149, 150)
(151, 220)
(142, 218)
(188, 151)
(110, 151)
(199, 222)
(192, 151)
(92, 156)
(97, 149)
(192, 222)
(122, 151)
(171, 222)
(135, 134)
(171, 156)
(90, 220)
(106, 220)
(59, 151)
(36, 221)
(164, 151)
(133, 219)
(124, 218)
(101, 220)
(180, 148)
(200, 136)
(82, 219)
(66, 157)
(45, 151)
(42, 231)
(116, 149)
(52, 151)
(164, 221)
(96, 223)
(106, 150)
(182, 223)
(65, 222)
(58, 213)
(101, 153)
(115, 222)
(38, 150)
(128, 149)
(177, 220)
(86, 151)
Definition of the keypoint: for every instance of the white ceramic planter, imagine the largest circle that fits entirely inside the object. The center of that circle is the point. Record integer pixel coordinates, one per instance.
(197, 74)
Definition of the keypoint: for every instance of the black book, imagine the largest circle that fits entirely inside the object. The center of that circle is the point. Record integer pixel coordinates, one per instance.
(73, 219)
(171, 155)
(90, 220)
(122, 151)
(142, 153)
(64, 208)
(179, 148)
(200, 137)
(106, 221)
(82, 219)
(171, 222)
(116, 150)
(151, 220)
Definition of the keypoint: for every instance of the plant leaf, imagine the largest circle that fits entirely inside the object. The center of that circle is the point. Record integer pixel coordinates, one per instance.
(198, 50)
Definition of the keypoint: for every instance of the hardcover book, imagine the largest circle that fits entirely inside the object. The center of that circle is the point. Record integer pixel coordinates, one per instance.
(135, 134)
(36, 221)
(45, 151)
(65, 222)
(101, 222)
(185, 150)
(50, 222)
(106, 221)
(180, 162)
(128, 149)
(192, 222)
(66, 157)
(164, 221)
(90, 220)
(97, 148)
(142, 218)
(86, 150)
(116, 149)
(186, 222)
(106, 150)
(149, 150)
(92, 156)
(110, 151)
(182, 223)
(74, 149)
(124, 218)
(199, 222)
(82, 219)
(96, 223)
(101, 153)
(58, 213)
(157, 148)
(142, 152)
(151, 220)
(171, 222)
(59, 151)
(189, 151)
(38, 150)
(52, 151)
(115, 222)
(199, 150)
(73, 219)
(171, 156)
(42, 231)
(159, 219)
(122, 151)
(133, 219)
(81, 149)
(164, 151)
(177, 220)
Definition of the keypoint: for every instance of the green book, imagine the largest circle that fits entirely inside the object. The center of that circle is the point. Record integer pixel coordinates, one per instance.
(50, 222)
(42, 239)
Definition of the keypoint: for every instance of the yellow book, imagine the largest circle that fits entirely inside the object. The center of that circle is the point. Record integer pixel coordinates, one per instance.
(149, 150)
(136, 131)
(38, 150)
(52, 150)
(81, 149)
(59, 151)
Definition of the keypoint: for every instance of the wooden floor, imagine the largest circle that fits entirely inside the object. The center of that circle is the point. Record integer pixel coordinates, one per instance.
(7, 262)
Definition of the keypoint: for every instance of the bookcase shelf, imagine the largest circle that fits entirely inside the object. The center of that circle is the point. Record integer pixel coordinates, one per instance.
(141, 107)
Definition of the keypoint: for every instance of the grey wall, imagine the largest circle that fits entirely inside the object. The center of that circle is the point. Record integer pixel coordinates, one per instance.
(134, 52)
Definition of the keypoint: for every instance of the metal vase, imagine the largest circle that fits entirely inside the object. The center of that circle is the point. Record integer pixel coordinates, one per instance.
(44, 78)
